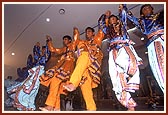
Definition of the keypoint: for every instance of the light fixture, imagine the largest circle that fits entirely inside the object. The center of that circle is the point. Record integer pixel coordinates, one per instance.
(62, 11)
(13, 54)
(48, 19)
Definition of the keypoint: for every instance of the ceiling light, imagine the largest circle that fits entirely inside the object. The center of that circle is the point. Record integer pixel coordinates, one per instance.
(13, 54)
(48, 19)
(61, 11)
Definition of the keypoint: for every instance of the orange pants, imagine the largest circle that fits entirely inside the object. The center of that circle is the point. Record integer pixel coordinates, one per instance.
(80, 70)
(56, 88)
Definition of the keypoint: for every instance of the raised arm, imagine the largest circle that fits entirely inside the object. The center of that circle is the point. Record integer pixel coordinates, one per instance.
(103, 21)
(129, 15)
(102, 28)
(76, 34)
(98, 38)
(123, 17)
(52, 48)
(47, 53)
(36, 52)
(123, 20)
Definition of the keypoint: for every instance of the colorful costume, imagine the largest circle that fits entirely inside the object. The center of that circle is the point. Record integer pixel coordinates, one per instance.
(87, 71)
(26, 91)
(59, 74)
(123, 61)
(153, 28)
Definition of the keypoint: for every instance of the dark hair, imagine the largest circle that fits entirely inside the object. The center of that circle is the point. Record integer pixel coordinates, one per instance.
(67, 36)
(113, 16)
(143, 7)
(43, 47)
(90, 28)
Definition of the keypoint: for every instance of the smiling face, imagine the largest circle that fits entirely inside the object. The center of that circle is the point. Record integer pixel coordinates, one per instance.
(89, 33)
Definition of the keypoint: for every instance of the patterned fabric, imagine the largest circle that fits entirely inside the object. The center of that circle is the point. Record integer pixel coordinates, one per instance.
(24, 93)
(152, 26)
(123, 62)
(65, 64)
(156, 60)
(95, 56)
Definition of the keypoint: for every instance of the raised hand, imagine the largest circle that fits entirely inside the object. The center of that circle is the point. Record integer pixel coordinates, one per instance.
(120, 8)
(48, 38)
(108, 13)
(76, 33)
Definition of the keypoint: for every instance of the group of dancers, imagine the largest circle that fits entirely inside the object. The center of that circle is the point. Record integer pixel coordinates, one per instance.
(80, 62)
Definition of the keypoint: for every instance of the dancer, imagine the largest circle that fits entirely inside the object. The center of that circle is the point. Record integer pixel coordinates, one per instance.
(59, 74)
(26, 91)
(87, 71)
(123, 60)
(152, 26)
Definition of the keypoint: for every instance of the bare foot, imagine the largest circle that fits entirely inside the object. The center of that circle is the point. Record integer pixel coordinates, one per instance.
(46, 108)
